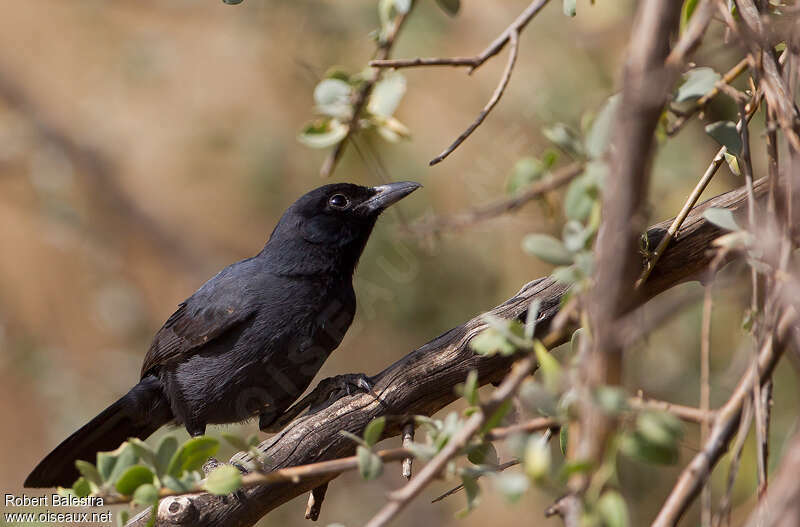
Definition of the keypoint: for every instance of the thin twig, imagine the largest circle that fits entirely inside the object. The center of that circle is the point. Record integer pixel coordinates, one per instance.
(691, 479)
(705, 397)
(703, 101)
(472, 62)
(767, 69)
(498, 468)
(558, 179)
(513, 37)
(362, 96)
(400, 498)
(685, 413)
(691, 201)
(724, 514)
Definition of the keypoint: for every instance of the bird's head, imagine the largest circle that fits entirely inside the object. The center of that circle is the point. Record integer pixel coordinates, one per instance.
(334, 221)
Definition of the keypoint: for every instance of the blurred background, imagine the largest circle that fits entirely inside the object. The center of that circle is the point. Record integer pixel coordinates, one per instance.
(144, 145)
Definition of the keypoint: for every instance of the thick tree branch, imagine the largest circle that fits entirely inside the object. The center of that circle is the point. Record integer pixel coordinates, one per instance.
(422, 382)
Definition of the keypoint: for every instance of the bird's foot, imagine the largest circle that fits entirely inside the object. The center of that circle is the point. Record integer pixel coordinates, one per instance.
(327, 391)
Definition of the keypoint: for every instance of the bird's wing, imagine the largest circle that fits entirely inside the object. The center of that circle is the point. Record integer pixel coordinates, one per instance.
(195, 324)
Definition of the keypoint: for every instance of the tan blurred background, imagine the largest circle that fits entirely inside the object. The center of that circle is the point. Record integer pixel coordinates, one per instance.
(144, 145)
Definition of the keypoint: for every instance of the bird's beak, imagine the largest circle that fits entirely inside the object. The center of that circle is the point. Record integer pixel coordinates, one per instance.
(386, 195)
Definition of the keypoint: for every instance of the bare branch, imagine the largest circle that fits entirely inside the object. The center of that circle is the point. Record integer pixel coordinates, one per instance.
(498, 92)
(517, 26)
(696, 472)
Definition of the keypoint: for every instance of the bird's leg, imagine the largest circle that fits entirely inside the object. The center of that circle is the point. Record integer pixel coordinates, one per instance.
(327, 391)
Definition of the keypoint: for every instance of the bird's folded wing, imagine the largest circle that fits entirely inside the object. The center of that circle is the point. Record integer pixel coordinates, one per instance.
(189, 329)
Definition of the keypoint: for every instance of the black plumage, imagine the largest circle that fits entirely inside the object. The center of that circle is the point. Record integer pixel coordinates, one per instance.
(251, 339)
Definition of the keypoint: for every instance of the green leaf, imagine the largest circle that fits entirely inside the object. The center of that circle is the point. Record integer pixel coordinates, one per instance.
(565, 138)
(473, 492)
(611, 399)
(569, 7)
(537, 460)
(549, 366)
(422, 451)
(581, 195)
(660, 428)
(599, 135)
(725, 133)
(722, 218)
(332, 98)
(143, 451)
(192, 454)
(81, 488)
(525, 171)
(402, 6)
(484, 454)
(490, 342)
(223, 480)
(370, 465)
(686, 13)
(575, 236)
(235, 441)
(323, 133)
(531, 318)
(470, 388)
(613, 509)
(512, 485)
(373, 431)
(175, 484)
(386, 95)
(576, 466)
(699, 81)
(146, 494)
(567, 274)
(391, 129)
(89, 472)
(132, 478)
(105, 464)
(126, 457)
(122, 518)
(496, 418)
(353, 437)
(638, 447)
(547, 249)
(164, 451)
(733, 164)
(563, 439)
(450, 7)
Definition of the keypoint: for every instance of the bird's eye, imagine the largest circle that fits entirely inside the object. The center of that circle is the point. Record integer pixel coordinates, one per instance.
(339, 201)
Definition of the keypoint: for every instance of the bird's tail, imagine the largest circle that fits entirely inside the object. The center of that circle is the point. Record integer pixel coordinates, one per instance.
(138, 413)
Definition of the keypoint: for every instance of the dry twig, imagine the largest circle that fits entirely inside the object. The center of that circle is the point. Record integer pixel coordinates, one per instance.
(696, 472)
(558, 179)
(510, 36)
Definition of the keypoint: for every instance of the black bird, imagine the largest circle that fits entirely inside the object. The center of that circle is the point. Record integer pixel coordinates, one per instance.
(250, 340)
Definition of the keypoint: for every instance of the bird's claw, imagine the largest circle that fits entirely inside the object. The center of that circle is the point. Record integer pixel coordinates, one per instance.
(334, 388)
(327, 391)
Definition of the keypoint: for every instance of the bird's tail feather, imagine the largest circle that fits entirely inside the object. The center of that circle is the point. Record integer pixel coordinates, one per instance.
(139, 413)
